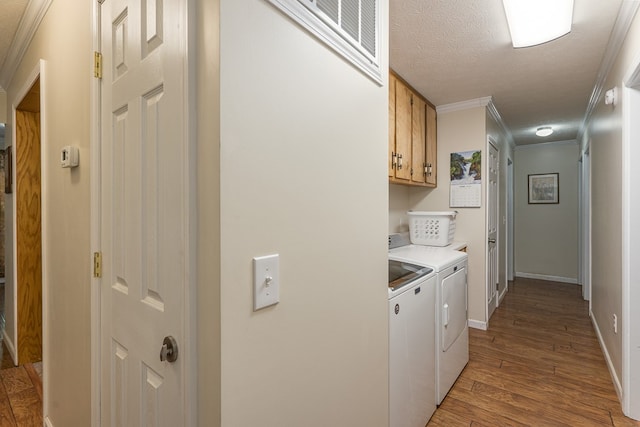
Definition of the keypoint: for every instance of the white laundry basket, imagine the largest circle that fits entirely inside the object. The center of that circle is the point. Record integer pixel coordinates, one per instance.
(432, 228)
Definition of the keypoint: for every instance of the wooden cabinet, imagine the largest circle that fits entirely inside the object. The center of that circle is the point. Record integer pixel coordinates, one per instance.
(412, 136)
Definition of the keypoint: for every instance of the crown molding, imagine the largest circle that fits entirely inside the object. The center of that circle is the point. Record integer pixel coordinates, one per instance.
(463, 105)
(626, 13)
(33, 15)
(486, 102)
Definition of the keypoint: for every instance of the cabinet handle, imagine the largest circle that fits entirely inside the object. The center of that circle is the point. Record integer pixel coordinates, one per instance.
(399, 161)
(393, 160)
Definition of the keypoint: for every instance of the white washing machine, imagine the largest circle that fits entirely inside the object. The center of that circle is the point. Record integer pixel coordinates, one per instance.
(452, 333)
(412, 365)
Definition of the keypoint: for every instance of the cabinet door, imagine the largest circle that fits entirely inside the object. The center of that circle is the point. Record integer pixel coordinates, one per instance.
(418, 141)
(403, 132)
(432, 143)
(392, 125)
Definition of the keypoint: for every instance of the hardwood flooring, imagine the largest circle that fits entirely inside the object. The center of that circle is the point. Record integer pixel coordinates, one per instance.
(20, 388)
(538, 364)
(20, 397)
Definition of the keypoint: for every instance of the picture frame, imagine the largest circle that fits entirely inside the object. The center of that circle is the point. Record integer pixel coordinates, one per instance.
(8, 171)
(544, 188)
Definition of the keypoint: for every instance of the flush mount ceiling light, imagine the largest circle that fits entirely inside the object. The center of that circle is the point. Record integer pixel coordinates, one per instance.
(532, 22)
(544, 131)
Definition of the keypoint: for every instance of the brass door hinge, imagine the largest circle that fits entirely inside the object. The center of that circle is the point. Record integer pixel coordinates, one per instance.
(97, 65)
(97, 264)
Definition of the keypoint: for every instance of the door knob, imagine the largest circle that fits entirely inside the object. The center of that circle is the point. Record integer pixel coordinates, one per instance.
(169, 350)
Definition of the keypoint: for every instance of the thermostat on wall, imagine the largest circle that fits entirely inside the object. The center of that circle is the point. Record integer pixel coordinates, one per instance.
(69, 157)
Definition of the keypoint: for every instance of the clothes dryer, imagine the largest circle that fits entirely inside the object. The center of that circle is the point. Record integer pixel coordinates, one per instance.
(452, 333)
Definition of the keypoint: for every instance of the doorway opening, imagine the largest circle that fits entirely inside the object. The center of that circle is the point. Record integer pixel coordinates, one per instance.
(28, 220)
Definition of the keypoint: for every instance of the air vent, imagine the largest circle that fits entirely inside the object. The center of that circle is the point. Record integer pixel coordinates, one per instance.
(350, 27)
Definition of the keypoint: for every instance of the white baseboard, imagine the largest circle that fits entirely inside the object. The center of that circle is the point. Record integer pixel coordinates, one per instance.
(10, 347)
(612, 371)
(546, 277)
(47, 422)
(477, 324)
(501, 296)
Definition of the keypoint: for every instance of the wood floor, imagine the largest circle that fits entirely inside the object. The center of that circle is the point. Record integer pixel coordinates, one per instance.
(20, 388)
(538, 364)
(20, 397)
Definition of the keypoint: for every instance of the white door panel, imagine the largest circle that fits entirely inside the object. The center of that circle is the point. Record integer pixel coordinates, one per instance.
(143, 211)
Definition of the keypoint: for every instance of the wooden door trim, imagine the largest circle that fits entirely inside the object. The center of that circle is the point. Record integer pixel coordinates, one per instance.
(38, 72)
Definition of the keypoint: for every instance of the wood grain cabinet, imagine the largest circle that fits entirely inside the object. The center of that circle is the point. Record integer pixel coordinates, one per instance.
(412, 136)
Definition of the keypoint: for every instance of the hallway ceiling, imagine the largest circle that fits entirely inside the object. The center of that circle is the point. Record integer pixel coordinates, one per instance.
(459, 50)
(11, 12)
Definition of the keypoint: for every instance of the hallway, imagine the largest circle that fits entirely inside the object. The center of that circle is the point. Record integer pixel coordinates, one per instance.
(538, 364)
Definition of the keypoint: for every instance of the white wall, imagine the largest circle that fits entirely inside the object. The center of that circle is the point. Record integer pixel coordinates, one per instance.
(605, 134)
(303, 173)
(546, 236)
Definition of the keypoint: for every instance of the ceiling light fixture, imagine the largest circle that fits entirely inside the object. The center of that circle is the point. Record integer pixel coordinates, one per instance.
(533, 22)
(544, 131)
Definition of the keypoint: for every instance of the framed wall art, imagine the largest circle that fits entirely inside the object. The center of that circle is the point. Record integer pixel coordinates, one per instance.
(544, 189)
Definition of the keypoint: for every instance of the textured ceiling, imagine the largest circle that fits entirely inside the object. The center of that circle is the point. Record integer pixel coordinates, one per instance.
(458, 50)
(10, 14)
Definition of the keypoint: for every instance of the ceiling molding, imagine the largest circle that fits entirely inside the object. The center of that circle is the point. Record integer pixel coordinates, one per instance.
(463, 105)
(546, 144)
(33, 15)
(625, 17)
(486, 102)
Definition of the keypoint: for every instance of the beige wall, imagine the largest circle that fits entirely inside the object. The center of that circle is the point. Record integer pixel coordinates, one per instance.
(466, 130)
(604, 138)
(546, 236)
(208, 208)
(462, 130)
(64, 42)
(303, 173)
(398, 208)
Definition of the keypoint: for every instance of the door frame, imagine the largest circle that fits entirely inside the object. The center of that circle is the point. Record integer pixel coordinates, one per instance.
(188, 347)
(491, 143)
(37, 72)
(510, 273)
(584, 220)
(630, 244)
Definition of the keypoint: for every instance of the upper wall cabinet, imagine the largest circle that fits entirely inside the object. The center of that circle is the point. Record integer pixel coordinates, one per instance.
(412, 136)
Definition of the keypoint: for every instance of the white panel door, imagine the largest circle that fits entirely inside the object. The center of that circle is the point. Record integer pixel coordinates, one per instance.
(492, 231)
(144, 211)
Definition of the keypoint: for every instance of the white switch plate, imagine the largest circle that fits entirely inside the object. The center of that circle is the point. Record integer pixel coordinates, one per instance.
(266, 281)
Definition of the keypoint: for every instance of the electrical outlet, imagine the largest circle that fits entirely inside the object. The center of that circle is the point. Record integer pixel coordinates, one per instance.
(615, 324)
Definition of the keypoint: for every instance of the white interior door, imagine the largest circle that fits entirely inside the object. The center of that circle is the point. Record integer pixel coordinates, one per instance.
(144, 212)
(492, 229)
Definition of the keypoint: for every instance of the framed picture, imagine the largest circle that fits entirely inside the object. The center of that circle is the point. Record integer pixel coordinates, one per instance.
(8, 173)
(544, 189)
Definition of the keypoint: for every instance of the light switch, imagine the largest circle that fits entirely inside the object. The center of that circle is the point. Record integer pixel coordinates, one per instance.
(266, 281)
